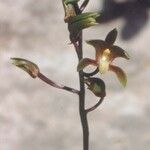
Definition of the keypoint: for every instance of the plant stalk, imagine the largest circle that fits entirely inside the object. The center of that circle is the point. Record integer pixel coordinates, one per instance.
(82, 111)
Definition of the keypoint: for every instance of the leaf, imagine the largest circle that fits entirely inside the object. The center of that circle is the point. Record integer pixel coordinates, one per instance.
(99, 46)
(85, 62)
(116, 51)
(120, 74)
(97, 86)
(26, 65)
(111, 37)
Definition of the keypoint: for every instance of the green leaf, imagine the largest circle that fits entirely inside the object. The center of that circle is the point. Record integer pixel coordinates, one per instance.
(84, 16)
(120, 74)
(97, 86)
(26, 65)
(116, 51)
(85, 62)
(111, 37)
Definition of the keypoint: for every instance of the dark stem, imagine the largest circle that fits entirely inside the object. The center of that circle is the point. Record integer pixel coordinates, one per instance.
(56, 85)
(95, 106)
(84, 4)
(82, 111)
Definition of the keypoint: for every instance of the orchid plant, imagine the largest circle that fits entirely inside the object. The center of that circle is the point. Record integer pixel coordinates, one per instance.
(105, 50)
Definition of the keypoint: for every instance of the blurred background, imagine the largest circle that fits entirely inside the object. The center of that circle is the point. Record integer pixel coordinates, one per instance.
(34, 115)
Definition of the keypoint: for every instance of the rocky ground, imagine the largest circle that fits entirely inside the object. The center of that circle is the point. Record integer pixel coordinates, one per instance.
(34, 115)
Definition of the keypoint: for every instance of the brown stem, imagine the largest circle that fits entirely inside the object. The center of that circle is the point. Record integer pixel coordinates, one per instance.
(56, 85)
(82, 111)
(95, 106)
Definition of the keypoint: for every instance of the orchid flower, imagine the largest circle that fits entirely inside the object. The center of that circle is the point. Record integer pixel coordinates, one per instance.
(106, 52)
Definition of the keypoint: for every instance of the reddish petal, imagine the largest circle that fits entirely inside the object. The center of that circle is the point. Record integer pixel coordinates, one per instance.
(86, 62)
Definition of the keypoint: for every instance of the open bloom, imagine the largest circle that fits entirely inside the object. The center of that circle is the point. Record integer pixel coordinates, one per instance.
(106, 52)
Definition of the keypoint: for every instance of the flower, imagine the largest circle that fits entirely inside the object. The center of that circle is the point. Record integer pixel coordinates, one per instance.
(106, 52)
(31, 68)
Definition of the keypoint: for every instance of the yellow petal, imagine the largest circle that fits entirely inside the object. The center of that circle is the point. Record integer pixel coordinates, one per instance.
(104, 61)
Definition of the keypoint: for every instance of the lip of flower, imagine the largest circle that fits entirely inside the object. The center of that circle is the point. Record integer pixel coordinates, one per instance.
(104, 62)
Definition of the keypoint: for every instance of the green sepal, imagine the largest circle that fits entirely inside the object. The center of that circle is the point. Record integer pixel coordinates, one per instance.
(78, 26)
(121, 75)
(26, 65)
(84, 16)
(97, 86)
(85, 62)
(70, 1)
(111, 37)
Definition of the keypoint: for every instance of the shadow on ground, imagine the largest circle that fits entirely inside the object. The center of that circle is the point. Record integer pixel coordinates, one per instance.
(135, 14)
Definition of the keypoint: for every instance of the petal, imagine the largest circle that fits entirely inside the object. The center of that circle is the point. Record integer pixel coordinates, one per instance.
(28, 66)
(104, 61)
(85, 62)
(120, 74)
(97, 86)
(116, 51)
(99, 46)
(111, 37)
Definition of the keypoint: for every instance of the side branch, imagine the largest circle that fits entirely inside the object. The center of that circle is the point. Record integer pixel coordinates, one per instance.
(56, 85)
(84, 4)
(95, 106)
